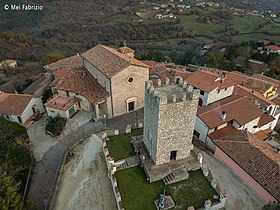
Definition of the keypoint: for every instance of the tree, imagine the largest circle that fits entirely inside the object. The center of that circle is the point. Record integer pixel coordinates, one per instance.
(9, 196)
(271, 206)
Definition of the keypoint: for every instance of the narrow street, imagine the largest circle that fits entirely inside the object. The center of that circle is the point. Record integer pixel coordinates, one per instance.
(48, 153)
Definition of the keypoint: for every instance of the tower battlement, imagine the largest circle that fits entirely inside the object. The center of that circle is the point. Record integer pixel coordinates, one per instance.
(167, 92)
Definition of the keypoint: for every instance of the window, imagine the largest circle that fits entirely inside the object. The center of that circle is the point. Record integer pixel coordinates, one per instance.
(196, 134)
(202, 92)
(67, 93)
(173, 155)
(230, 122)
(131, 106)
(130, 79)
(218, 91)
(19, 119)
(225, 89)
(255, 126)
(215, 128)
(8, 117)
(71, 111)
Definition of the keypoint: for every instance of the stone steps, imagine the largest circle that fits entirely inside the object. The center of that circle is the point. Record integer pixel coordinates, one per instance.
(122, 166)
(169, 179)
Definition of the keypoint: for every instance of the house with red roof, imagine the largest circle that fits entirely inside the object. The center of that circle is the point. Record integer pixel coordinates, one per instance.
(257, 163)
(109, 83)
(75, 89)
(272, 49)
(229, 115)
(213, 86)
(19, 108)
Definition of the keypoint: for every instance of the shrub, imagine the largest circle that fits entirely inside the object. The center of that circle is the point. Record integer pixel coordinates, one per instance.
(55, 125)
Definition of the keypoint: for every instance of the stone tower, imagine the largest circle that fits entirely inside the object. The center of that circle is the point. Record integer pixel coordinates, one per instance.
(169, 119)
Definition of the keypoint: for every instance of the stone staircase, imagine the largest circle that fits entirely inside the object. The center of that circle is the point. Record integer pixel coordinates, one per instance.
(176, 176)
(122, 166)
(169, 179)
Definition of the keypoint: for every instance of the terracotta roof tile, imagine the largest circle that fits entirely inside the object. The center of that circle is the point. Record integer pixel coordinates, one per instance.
(276, 101)
(238, 108)
(14, 104)
(252, 95)
(265, 119)
(229, 129)
(273, 81)
(258, 85)
(126, 49)
(261, 135)
(80, 82)
(272, 47)
(74, 61)
(257, 158)
(110, 61)
(208, 81)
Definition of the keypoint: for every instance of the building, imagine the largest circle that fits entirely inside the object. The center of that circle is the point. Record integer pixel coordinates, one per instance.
(169, 118)
(75, 61)
(120, 74)
(8, 64)
(37, 88)
(213, 86)
(256, 162)
(272, 49)
(75, 89)
(61, 106)
(19, 108)
(227, 116)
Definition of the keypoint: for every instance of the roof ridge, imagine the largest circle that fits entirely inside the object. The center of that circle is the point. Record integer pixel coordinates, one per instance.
(111, 50)
(231, 141)
(218, 107)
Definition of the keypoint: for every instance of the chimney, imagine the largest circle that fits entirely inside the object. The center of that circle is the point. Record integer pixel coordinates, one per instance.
(223, 115)
(223, 76)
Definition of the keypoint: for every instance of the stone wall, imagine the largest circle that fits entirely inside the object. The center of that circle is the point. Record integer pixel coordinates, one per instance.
(128, 84)
(169, 125)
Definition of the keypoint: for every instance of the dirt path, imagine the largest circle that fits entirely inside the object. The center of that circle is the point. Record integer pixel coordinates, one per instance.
(85, 184)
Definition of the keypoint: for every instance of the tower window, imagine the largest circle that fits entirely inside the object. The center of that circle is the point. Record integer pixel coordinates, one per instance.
(130, 79)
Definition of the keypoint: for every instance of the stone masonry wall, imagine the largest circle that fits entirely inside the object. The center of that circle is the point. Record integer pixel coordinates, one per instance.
(168, 125)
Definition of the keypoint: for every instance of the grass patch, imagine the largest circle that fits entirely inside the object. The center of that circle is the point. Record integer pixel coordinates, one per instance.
(120, 146)
(56, 125)
(137, 193)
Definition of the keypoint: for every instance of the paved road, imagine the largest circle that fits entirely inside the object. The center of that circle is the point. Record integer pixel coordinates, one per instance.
(44, 172)
(122, 121)
(240, 196)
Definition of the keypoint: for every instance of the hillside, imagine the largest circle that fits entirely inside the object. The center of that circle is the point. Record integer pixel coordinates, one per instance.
(70, 26)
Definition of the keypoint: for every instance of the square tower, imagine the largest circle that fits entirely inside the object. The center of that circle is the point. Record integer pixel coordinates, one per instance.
(169, 120)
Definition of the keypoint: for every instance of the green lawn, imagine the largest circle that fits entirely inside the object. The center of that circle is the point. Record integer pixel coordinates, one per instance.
(120, 146)
(137, 193)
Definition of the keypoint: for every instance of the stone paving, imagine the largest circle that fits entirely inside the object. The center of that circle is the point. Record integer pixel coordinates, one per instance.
(122, 121)
(45, 170)
(240, 196)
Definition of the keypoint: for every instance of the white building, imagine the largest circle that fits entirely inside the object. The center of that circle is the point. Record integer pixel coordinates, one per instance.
(8, 64)
(228, 116)
(213, 86)
(19, 108)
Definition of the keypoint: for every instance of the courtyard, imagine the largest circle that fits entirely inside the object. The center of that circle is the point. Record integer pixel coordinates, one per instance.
(120, 146)
(138, 193)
